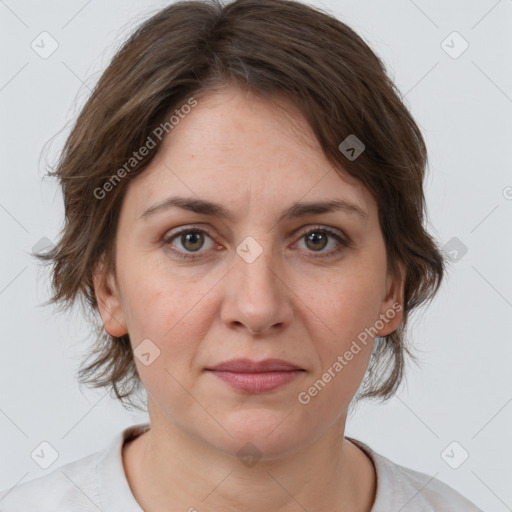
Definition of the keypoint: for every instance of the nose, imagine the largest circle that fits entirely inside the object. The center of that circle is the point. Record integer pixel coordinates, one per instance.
(256, 296)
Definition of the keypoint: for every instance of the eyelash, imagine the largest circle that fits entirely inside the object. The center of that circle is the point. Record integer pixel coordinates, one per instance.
(344, 242)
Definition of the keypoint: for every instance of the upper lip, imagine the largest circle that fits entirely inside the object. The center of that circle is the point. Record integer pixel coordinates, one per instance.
(250, 366)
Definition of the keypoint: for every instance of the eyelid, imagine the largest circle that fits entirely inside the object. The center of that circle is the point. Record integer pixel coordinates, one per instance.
(174, 233)
(343, 240)
(302, 231)
(319, 227)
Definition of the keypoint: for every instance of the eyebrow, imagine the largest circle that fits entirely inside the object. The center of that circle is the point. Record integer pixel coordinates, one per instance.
(297, 209)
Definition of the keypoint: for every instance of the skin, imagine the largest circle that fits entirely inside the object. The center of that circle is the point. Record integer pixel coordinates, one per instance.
(242, 152)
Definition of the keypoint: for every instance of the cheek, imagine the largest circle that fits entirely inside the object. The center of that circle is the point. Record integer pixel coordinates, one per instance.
(167, 309)
(154, 299)
(348, 307)
(352, 299)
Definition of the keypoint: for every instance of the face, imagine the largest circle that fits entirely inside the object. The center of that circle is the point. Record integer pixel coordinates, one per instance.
(197, 288)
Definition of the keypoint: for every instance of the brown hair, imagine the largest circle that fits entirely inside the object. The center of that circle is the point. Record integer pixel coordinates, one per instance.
(270, 48)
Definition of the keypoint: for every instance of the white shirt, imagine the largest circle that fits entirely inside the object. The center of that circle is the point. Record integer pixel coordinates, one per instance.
(98, 483)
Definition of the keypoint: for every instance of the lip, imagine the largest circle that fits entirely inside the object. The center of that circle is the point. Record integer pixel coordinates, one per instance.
(250, 366)
(256, 376)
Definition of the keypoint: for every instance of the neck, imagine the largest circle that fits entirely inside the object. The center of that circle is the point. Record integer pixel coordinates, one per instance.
(166, 466)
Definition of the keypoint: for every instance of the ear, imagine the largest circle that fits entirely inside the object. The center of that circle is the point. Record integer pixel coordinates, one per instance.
(391, 313)
(109, 300)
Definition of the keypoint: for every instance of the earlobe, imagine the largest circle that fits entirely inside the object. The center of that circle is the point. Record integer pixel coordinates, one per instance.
(109, 301)
(391, 313)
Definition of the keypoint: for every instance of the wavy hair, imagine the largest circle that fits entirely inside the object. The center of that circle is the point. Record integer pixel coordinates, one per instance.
(270, 48)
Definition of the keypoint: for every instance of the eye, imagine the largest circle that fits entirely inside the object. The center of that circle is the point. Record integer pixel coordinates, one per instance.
(317, 238)
(191, 240)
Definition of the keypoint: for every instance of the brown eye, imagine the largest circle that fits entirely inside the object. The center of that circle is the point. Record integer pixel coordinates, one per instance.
(187, 242)
(316, 240)
(192, 241)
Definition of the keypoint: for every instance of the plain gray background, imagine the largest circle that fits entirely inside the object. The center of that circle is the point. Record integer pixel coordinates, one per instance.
(462, 101)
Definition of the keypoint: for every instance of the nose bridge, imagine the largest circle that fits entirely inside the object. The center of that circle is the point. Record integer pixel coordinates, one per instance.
(257, 297)
(258, 263)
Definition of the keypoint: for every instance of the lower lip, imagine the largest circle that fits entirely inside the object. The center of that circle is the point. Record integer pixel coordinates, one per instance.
(257, 382)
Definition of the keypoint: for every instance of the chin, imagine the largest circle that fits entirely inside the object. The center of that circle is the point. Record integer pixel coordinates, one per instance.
(266, 433)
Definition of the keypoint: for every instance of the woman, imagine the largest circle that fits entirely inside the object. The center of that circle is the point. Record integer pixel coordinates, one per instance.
(244, 209)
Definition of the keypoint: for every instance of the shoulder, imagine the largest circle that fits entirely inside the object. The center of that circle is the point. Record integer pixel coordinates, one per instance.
(70, 487)
(92, 483)
(398, 486)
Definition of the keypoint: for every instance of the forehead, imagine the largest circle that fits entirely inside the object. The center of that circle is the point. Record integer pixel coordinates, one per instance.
(239, 150)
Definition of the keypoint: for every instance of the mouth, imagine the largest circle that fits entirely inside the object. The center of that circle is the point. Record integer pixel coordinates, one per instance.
(257, 377)
(250, 366)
